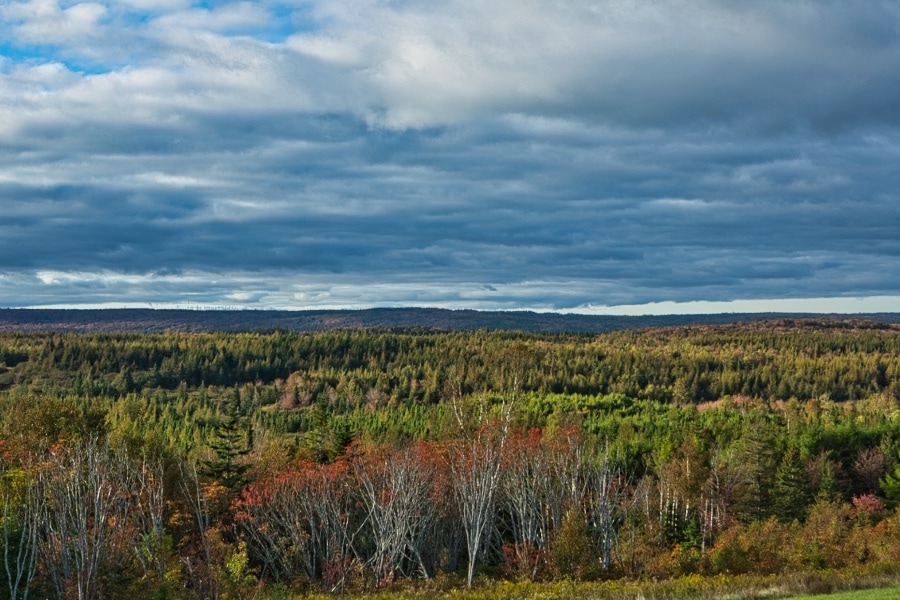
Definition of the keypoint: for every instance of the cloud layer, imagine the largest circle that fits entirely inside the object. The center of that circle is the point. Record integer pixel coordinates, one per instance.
(509, 154)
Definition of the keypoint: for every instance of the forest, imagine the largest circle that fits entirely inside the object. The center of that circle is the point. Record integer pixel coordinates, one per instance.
(270, 464)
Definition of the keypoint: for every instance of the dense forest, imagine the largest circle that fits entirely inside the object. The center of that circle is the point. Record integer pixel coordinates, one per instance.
(224, 465)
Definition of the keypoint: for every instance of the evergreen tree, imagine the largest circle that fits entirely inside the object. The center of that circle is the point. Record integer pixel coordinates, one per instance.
(890, 486)
(791, 492)
(756, 452)
(231, 441)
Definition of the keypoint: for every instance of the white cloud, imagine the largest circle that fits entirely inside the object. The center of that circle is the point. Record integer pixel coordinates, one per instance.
(240, 16)
(45, 22)
(178, 181)
(430, 64)
(248, 290)
(873, 304)
(438, 63)
(158, 5)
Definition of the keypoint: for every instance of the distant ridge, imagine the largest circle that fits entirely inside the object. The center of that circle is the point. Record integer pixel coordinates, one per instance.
(158, 320)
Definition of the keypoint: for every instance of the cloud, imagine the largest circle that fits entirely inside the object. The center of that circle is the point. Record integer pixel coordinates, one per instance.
(45, 22)
(459, 153)
(233, 17)
(658, 63)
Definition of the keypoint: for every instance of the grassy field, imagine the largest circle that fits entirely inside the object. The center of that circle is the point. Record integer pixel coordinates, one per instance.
(879, 594)
(688, 588)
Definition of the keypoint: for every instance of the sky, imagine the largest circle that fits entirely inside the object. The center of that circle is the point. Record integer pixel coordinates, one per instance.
(614, 157)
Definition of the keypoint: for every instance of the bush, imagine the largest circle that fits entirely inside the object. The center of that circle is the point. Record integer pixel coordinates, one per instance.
(571, 555)
(765, 544)
(823, 540)
(728, 555)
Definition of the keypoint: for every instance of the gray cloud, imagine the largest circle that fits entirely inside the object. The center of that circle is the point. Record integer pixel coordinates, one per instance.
(498, 155)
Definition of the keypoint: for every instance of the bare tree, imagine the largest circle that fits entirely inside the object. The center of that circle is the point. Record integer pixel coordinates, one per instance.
(197, 500)
(636, 505)
(603, 502)
(729, 481)
(20, 514)
(85, 517)
(869, 466)
(397, 489)
(475, 462)
(303, 520)
(542, 481)
(280, 528)
(149, 498)
(337, 522)
(525, 491)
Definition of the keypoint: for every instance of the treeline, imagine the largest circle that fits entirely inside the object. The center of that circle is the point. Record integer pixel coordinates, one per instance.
(803, 360)
(229, 465)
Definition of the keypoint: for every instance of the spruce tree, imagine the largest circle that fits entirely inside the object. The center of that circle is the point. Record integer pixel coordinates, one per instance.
(791, 492)
(890, 487)
(230, 442)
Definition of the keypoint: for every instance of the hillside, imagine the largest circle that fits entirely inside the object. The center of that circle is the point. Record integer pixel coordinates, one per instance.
(706, 456)
(151, 320)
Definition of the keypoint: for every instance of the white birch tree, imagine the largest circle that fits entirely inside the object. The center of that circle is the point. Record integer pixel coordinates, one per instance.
(20, 513)
(475, 463)
(84, 522)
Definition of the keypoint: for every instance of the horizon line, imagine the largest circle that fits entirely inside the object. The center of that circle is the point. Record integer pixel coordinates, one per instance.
(848, 306)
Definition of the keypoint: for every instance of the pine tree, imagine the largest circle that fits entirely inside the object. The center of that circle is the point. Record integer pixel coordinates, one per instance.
(231, 441)
(890, 487)
(756, 452)
(791, 492)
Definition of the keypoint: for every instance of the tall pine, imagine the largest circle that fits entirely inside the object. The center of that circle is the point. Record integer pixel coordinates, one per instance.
(230, 443)
(791, 492)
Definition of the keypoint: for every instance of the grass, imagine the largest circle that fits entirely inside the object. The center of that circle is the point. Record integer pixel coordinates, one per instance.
(877, 594)
(861, 583)
(689, 588)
